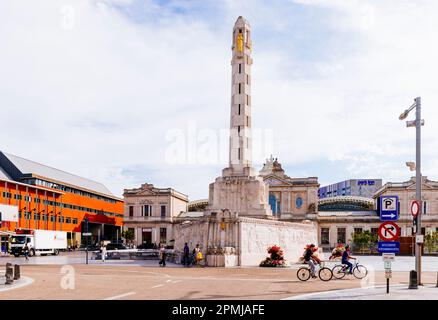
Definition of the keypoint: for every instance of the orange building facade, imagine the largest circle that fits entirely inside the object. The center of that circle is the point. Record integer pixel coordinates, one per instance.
(50, 199)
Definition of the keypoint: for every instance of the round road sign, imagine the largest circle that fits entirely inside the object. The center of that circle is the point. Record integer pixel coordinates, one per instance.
(415, 208)
(389, 231)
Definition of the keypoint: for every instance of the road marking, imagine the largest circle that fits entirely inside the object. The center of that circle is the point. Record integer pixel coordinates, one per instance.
(157, 286)
(120, 296)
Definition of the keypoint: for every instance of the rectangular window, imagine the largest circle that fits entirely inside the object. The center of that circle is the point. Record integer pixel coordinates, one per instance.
(163, 211)
(238, 130)
(60, 219)
(67, 220)
(240, 88)
(358, 230)
(28, 199)
(342, 235)
(240, 68)
(52, 218)
(238, 153)
(36, 216)
(147, 210)
(44, 217)
(75, 220)
(325, 236)
(239, 109)
(163, 235)
(374, 231)
(27, 216)
(424, 207)
(131, 211)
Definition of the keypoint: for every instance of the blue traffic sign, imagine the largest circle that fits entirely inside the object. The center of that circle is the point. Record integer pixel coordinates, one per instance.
(389, 208)
(389, 247)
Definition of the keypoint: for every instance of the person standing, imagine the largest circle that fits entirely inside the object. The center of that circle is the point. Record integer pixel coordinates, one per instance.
(26, 251)
(162, 256)
(186, 255)
(198, 255)
(103, 252)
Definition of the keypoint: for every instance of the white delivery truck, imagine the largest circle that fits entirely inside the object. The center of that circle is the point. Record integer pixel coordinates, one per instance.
(39, 242)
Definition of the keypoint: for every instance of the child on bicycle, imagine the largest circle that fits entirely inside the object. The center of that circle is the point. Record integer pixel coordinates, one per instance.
(345, 257)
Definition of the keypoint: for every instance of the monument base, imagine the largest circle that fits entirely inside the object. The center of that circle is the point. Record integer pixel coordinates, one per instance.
(245, 195)
(227, 240)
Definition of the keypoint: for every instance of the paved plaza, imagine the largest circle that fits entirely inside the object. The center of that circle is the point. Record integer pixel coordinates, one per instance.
(67, 277)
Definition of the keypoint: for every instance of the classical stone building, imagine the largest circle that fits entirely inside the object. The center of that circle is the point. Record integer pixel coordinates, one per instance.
(406, 194)
(150, 212)
(291, 199)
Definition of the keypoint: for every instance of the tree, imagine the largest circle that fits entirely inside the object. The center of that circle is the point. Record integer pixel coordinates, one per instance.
(128, 235)
(431, 240)
(364, 239)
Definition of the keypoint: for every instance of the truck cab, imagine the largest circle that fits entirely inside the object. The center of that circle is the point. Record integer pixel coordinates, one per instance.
(18, 242)
(41, 242)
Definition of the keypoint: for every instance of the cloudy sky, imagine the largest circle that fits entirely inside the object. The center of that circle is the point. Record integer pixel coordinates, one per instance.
(129, 91)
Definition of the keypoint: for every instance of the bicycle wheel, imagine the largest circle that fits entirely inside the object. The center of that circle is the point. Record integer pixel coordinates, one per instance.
(338, 271)
(360, 271)
(303, 274)
(325, 274)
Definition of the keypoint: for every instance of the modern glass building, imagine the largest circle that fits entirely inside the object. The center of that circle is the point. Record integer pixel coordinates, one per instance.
(353, 187)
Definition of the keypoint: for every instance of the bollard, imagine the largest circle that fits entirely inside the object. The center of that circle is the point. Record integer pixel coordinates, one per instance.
(16, 271)
(9, 274)
(413, 280)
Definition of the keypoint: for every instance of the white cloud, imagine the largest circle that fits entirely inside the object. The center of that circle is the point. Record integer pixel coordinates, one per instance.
(92, 89)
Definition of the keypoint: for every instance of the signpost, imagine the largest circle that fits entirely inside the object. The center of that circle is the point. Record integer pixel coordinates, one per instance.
(388, 208)
(415, 210)
(389, 247)
(388, 233)
(87, 235)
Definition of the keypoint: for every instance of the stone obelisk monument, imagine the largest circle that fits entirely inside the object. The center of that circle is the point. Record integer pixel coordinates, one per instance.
(239, 189)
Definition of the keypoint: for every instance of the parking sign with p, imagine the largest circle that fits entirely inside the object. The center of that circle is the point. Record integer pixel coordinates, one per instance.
(388, 208)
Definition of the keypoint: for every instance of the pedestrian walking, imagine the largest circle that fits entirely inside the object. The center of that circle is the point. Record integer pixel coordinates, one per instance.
(103, 252)
(198, 255)
(162, 256)
(186, 255)
(26, 251)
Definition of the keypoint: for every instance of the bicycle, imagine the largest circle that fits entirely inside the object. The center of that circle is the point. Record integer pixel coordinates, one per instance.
(324, 273)
(359, 270)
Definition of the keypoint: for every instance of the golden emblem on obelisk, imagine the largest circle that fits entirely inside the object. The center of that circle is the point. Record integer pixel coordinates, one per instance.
(240, 42)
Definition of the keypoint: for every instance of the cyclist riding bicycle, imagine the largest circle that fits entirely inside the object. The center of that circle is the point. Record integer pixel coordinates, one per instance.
(310, 259)
(345, 257)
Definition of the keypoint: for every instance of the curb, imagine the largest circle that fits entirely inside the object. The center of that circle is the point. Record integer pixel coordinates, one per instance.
(24, 281)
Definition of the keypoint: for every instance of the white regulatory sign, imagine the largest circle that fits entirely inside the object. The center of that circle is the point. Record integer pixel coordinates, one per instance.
(419, 238)
(387, 265)
(388, 257)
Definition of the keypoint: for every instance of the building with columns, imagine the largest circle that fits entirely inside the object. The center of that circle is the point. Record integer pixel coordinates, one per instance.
(406, 194)
(292, 199)
(150, 212)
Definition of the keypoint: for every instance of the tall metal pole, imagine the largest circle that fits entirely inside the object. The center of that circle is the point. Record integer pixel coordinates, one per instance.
(418, 185)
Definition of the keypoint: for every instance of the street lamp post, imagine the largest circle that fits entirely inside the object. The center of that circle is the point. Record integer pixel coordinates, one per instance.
(418, 122)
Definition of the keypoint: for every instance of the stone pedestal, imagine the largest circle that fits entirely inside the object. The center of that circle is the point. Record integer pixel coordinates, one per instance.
(245, 195)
